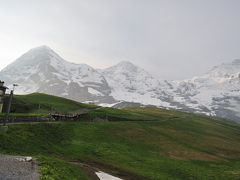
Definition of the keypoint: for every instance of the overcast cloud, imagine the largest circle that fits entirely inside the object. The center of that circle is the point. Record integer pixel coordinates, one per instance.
(173, 39)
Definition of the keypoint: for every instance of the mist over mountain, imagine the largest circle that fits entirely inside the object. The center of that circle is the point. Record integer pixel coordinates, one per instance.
(215, 93)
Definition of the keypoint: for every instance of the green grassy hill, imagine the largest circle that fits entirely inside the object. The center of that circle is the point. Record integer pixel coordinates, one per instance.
(166, 145)
(43, 104)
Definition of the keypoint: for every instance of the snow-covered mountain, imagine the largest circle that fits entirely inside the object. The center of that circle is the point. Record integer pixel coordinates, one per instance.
(218, 91)
(131, 83)
(42, 70)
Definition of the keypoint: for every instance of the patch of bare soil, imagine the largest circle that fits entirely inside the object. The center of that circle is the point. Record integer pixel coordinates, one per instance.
(18, 168)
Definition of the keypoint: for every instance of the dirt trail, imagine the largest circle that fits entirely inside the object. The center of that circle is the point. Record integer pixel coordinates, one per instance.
(98, 171)
(94, 173)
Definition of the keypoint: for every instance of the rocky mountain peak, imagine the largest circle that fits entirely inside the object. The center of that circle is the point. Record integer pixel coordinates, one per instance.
(43, 47)
(123, 66)
(35, 57)
(125, 63)
(40, 51)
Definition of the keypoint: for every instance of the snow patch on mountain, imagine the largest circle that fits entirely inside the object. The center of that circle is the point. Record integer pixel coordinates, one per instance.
(95, 92)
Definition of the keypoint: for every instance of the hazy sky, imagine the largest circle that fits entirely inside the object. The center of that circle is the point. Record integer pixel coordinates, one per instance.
(173, 39)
